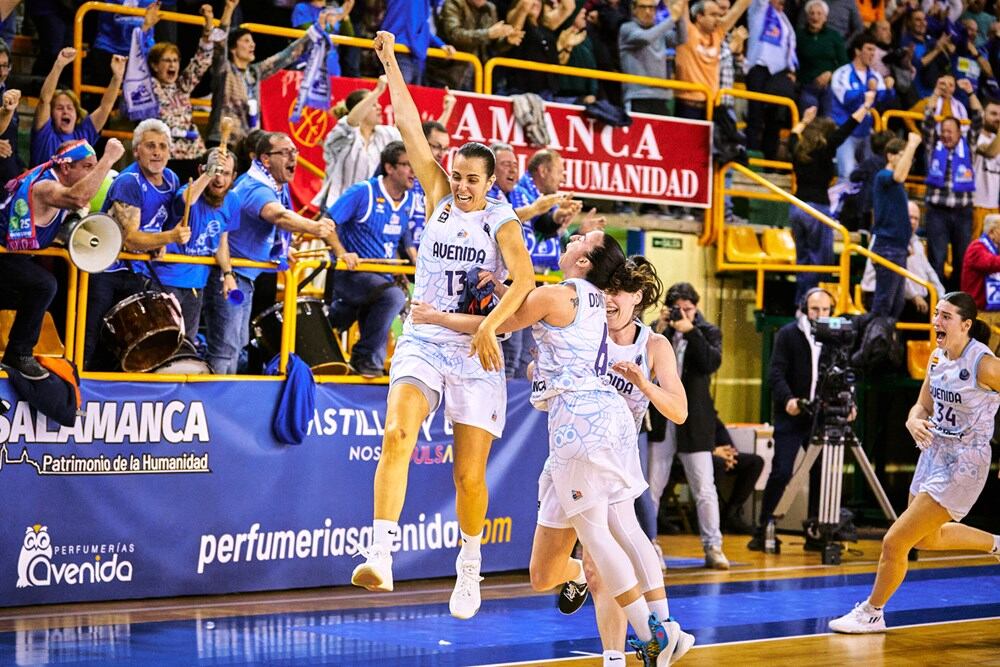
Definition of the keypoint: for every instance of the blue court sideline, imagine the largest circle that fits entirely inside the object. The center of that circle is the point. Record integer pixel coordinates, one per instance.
(504, 630)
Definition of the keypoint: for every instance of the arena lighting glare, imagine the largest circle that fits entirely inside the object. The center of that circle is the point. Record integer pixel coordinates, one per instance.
(832, 410)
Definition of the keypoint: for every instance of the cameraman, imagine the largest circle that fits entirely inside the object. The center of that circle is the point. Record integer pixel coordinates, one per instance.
(793, 378)
(698, 346)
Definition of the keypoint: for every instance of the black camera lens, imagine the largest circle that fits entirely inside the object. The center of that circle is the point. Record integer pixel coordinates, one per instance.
(675, 313)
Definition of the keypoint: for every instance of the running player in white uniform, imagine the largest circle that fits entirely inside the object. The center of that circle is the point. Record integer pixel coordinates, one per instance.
(952, 423)
(642, 368)
(592, 474)
(464, 231)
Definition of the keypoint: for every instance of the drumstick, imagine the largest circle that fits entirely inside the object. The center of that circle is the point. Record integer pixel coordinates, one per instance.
(187, 204)
(226, 130)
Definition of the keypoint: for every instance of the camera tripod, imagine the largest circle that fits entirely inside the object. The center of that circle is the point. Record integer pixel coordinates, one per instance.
(830, 441)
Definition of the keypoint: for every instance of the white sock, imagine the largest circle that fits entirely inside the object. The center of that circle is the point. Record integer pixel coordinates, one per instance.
(638, 616)
(582, 577)
(660, 608)
(872, 607)
(384, 532)
(471, 547)
(996, 545)
(614, 659)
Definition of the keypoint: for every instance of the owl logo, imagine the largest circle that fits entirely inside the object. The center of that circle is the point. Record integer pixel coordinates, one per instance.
(37, 545)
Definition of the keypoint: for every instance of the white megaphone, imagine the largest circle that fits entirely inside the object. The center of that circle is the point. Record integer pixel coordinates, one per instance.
(93, 241)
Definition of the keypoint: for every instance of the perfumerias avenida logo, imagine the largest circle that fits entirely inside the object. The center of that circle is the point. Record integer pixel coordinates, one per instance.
(42, 563)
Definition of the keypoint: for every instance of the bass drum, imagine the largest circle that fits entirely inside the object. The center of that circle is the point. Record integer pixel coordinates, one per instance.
(315, 342)
(144, 330)
(185, 362)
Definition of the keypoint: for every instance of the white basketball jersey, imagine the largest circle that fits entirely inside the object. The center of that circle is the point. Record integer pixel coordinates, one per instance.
(637, 401)
(452, 243)
(963, 410)
(574, 357)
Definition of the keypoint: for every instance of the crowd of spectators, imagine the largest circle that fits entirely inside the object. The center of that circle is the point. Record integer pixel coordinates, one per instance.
(834, 60)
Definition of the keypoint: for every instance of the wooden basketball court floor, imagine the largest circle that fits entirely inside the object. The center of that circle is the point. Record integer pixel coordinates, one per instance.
(767, 610)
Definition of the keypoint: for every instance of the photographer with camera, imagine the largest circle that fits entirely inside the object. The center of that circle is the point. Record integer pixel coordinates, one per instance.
(698, 346)
(794, 378)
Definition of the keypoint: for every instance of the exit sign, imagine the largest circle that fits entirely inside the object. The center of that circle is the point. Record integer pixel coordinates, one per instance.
(668, 243)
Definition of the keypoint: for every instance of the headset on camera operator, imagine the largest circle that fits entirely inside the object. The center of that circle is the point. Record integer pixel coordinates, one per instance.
(30, 219)
(795, 380)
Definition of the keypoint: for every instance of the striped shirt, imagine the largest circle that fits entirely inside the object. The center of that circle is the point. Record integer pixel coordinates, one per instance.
(350, 159)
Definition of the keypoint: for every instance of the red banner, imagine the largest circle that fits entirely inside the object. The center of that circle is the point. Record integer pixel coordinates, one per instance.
(657, 159)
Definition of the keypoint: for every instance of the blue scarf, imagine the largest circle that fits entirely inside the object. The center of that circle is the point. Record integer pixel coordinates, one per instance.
(772, 32)
(963, 179)
(282, 239)
(992, 281)
(138, 99)
(314, 90)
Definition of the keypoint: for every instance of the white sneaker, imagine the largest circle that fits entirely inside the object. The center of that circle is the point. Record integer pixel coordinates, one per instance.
(685, 641)
(715, 559)
(464, 602)
(375, 573)
(863, 619)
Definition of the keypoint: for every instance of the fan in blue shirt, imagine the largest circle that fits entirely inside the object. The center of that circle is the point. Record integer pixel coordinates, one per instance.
(372, 219)
(140, 201)
(261, 231)
(60, 118)
(213, 207)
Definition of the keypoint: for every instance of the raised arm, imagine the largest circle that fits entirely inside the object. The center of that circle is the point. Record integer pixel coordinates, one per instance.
(100, 115)
(430, 174)
(51, 194)
(7, 8)
(733, 15)
(44, 109)
(556, 16)
(361, 109)
(902, 169)
(447, 106)
(11, 98)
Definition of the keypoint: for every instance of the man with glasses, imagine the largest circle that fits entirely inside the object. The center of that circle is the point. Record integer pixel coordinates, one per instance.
(644, 46)
(263, 233)
(11, 164)
(372, 220)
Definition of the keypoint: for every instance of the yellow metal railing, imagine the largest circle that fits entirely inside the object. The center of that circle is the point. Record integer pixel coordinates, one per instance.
(565, 70)
(842, 268)
(78, 292)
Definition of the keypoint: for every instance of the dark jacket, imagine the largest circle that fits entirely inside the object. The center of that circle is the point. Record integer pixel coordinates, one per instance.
(702, 357)
(790, 376)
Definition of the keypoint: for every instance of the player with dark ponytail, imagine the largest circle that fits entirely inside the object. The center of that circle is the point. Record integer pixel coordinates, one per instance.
(952, 424)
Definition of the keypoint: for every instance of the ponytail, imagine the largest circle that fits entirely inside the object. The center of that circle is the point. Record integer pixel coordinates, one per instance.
(980, 331)
(605, 261)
